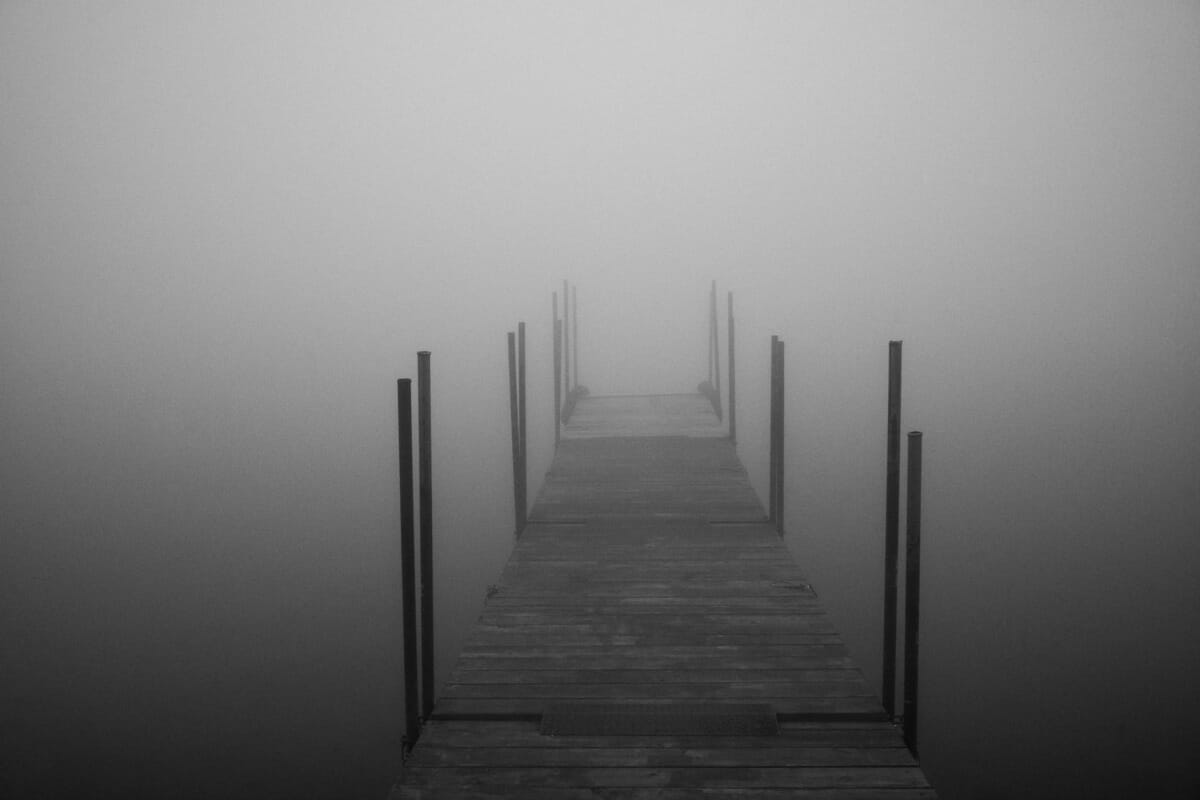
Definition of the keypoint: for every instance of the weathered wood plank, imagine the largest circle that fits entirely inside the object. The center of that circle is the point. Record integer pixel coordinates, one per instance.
(705, 777)
(649, 601)
(461, 674)
(783, 704)
(765, 755)
(732, 690)
(475, 733)
(497, 792)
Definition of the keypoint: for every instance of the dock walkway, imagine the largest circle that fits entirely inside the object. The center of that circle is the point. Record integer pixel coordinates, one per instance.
(651, 636)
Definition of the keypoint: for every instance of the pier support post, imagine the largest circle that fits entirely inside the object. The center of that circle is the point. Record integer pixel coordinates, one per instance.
(912, 591)
(575, 331)
(523, 470)
(425, 471)
(714, 343)
(514, 415)
(732, 378)
(566, 334)
(408, 579)
(891, 536)
(557, 380)
(776, 438)
(557, 368)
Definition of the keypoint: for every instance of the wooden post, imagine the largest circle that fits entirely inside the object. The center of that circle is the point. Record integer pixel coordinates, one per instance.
(425, 472)
(557, 380)
(912, 591)
(566, 333)
(732, 379)
(716, 349)
(408, 579)
(523, 472)
(891, 536)
(773, 437)
(779, 435)
(557, 369)
(711, 336)
(514, 414)
(575, 330)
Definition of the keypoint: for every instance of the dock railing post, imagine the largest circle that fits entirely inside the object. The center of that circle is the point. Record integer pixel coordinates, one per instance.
(779, 436)
(732, 379)
(716, 350)
(775, 456)
(566, 332)
(912, 591)
(425, 468)
(408, 579)
(575, 330)
(557, 371)
(891, 529)
(711, 335)
(771, 485)
(523, 470)
(514, 414)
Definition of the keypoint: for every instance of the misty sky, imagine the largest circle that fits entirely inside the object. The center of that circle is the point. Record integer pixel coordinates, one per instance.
(225, 229)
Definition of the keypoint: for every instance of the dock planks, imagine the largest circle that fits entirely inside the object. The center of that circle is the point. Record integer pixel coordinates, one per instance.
(648, 577)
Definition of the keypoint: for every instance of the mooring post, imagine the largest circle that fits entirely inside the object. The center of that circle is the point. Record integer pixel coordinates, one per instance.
(716, 350)
(523, 471)
(773, 438)
(557, 380)
(732, 379)
(891, 536)
(514, 415)
(912, 591)
(566, 338)
(408, 579)
(425, 471)
(779, 435)
(711, 334)
(557, 350)
(575, 330)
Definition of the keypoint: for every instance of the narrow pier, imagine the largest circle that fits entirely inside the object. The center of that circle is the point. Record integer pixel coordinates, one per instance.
(651, 636)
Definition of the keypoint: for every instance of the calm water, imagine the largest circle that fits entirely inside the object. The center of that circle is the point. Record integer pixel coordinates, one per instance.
(225, 234)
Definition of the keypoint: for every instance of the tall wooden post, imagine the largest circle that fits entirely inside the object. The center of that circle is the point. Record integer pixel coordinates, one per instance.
(778, 360)
(891, 529)
(773, 438)
(557, 380)
(732, 378)
(425, 472)
(408, 579)
(912, 591)
(523, 471)
(566, 333)
(514, 414)
(557, 370)
(716, 348)
(711, 336)
(575, 330)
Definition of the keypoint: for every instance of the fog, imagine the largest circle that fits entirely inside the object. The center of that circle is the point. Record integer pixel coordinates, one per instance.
(226, 229)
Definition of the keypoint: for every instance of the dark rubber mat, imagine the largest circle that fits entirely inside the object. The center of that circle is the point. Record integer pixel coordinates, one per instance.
(652, 719)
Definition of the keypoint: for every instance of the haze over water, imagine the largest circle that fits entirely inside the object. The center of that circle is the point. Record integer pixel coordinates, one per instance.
(226, 230)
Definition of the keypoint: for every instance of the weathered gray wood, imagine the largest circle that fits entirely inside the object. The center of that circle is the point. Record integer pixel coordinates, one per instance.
(499, 734)
(597, 677)
(709, 757)
(670, 590)
(499, 791)
(715, 777)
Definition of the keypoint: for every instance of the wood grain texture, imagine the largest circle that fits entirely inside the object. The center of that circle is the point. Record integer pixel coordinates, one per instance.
(649, 576)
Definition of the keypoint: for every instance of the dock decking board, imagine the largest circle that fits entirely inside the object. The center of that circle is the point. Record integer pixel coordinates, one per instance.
(647, 598)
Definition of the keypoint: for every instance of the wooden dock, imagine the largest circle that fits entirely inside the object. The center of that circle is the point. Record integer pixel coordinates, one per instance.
(651, 636)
